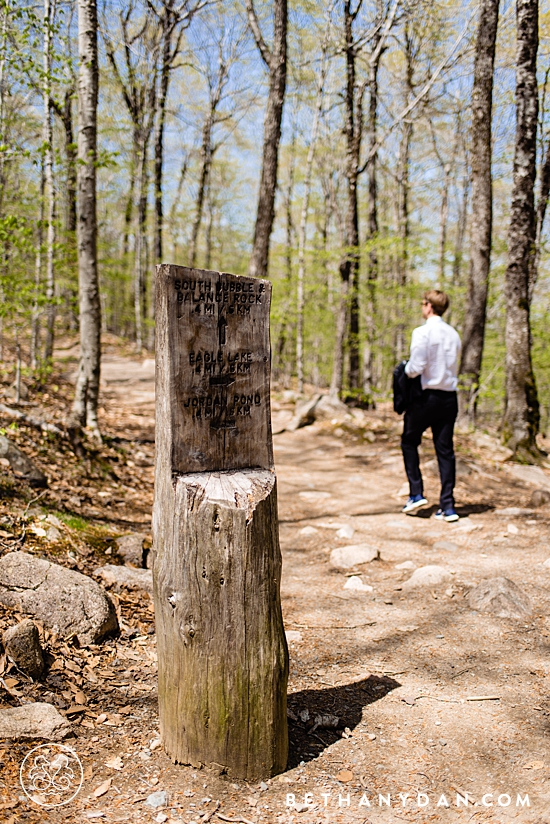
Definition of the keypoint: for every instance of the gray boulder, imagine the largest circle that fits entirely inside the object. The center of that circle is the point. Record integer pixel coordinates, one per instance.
(532, 475)
(33, 721)
(501, 597)
(321, 408)
(328, 408)
(122, 576)
(66, 602)
(304, 414)
(22, 643)
(21, 465)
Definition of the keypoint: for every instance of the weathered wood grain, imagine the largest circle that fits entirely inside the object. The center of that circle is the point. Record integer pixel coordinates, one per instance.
(221, 647)
(223, 658)
(215, 386)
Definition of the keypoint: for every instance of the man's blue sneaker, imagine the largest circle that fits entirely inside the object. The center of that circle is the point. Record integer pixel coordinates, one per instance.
(415, 502)
(448, 515)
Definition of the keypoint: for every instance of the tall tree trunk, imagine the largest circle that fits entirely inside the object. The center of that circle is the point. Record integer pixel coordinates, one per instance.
(159, 135)
(206, 163)
(209, 229)
(71, 159)
(461, 231)
(303, 217)
(349, 269)
(337, 378)
(140, 254)
(403, 231)
(65, 114)
(403, 193)
(35, 324)
(3, 55)
(542, 203)
(175, 205)
(522, 416)
(49, 179)
(87, 385)
(372, 233)
(276, 61)
(284, 369)
(443, 218)
(129, 210)
(473, 335)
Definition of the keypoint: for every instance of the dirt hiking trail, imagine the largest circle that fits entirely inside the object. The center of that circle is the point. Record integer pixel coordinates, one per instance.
(405, 703)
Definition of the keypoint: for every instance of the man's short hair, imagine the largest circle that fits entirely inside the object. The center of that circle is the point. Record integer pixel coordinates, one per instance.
(439, 300)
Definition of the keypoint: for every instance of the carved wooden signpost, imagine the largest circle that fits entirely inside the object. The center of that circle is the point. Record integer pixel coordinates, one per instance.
(223, 660)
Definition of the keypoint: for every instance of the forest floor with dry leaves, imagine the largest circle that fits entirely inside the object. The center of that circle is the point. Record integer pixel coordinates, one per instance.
(443, 711)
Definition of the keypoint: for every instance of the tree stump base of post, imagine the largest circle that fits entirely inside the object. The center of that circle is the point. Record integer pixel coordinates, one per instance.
(223, 659)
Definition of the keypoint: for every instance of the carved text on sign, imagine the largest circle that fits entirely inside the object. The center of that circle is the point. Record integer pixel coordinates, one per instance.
(221, 377)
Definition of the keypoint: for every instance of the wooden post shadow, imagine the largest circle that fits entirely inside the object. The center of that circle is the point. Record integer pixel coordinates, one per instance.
(222, 653)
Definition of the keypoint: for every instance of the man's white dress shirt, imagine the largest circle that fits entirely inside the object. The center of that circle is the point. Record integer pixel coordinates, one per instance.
(435, 350)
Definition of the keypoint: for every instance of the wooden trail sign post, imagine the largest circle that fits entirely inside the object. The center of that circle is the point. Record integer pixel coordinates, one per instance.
(222, 653)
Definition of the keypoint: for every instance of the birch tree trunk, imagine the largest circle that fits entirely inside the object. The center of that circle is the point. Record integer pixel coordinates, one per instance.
(521, 417)
(49, 12)
(276, 61)
(473, 335)
(87, 387)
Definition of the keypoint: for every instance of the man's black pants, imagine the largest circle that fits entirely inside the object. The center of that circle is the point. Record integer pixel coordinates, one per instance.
(436, 409)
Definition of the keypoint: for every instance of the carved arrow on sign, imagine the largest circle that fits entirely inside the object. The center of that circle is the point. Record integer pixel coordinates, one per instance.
(222, 380)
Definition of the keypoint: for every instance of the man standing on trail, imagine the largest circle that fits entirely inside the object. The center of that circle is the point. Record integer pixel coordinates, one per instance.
(435, 350)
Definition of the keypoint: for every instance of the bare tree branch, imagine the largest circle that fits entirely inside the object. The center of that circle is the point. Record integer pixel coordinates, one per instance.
(421, 95)
(256, 31)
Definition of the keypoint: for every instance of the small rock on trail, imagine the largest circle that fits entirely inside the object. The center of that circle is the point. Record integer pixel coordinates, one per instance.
(22, 644)
(157, 799)
(126, 576)
(540, 497)
(357, 584)
(345, 532)
(445, 546)
(502, 597)
(131, 548)
(346, 557)
(426, 576)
